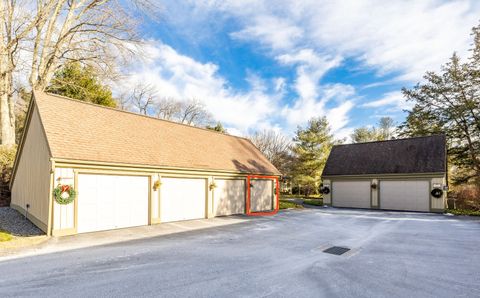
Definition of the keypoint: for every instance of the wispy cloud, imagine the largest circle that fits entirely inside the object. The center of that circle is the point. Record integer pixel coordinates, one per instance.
(391, 100)
(396, 40)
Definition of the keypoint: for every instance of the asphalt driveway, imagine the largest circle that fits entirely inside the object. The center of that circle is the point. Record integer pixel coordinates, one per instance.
(393, 254)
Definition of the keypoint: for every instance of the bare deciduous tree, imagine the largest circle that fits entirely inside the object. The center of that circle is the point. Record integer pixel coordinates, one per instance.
(193, 112)
(167, 108)
(37, 37)
(275, 146)
(143, 98)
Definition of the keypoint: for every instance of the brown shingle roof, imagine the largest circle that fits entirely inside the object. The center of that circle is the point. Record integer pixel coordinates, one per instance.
(81, 131)
(401, 156)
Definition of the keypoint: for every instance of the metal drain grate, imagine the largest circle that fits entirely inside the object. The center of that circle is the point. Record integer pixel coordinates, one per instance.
(336, 250)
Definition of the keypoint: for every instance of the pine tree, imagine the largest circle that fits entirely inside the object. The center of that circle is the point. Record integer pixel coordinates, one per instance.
(311, 149)
(81, 82)
(449, 102)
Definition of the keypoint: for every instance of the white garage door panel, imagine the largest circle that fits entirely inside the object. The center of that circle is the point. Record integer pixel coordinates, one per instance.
(353, 194)
(261, 195)
(110, 202)
(229, 197)
(405, 195)
(182, 199)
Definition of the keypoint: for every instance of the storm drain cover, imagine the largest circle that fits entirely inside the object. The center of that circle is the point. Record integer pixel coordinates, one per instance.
(336, 250)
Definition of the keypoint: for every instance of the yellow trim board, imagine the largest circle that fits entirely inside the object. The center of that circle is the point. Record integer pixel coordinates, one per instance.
(90, 164)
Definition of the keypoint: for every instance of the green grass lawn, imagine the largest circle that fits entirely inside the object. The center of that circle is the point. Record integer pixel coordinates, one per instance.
(4, 236)
(286, 205)
(463, 212)
(315, 202)
(288, 196)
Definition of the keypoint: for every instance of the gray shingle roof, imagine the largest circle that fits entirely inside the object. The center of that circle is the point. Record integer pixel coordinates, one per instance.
(400, 156)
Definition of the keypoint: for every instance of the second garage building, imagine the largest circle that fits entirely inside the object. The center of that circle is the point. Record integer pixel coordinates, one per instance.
(402, 174)
(131, 170)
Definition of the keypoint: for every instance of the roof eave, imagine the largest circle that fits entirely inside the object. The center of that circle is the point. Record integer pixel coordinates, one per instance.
(77, 162)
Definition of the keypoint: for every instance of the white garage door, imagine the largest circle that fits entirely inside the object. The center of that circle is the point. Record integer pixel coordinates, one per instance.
(229, 197)
(108, 202)
(353, 194)
(182, 199)
(405, 195)
(261, 195)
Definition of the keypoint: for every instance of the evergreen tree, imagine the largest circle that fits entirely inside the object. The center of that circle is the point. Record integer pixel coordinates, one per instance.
(311, 149)
(218, 127)
(384, 132)
(449, 102)
(81, 82)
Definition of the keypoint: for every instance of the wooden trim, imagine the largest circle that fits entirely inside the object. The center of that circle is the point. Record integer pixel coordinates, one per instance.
(75, 212)
(383, 176)
(156, 221)
(50, 199)
(64, 232)
(150, 199)
(72, 163)
(19, 152)
(32, 218)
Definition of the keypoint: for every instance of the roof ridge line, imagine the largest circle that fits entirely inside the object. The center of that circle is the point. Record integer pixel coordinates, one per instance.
(392, 140)
(140, 115)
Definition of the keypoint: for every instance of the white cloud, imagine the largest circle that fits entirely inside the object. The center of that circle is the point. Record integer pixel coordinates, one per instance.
(392, 99)
(261, 106)
(307, 107)
(400, 38)
(271, 31)
(406, 37)
(179, 76)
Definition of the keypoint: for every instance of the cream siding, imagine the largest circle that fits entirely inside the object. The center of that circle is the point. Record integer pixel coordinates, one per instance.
(438, 203)
(64, 215)
(375, 194)
(327, 198)
(31, 183)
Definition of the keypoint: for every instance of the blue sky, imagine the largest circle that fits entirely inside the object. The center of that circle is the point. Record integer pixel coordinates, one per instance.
(275, 64)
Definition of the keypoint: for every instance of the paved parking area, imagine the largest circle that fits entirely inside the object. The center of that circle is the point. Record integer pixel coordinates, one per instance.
(393, 254)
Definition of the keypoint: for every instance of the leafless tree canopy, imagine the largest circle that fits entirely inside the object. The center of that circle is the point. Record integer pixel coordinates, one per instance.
(37, 37)
(274, 145)
(144, 99)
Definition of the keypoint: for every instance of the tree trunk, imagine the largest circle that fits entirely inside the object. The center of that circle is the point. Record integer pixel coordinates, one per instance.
(7, 119)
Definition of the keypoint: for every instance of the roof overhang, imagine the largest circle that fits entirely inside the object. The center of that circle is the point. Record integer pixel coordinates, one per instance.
(375, 176)
(66, 162)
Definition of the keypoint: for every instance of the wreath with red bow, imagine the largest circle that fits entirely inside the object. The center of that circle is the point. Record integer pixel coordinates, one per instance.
(64, 194)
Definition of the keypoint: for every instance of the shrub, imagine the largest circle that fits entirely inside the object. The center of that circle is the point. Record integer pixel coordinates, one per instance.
(7, 157)
(467, 197)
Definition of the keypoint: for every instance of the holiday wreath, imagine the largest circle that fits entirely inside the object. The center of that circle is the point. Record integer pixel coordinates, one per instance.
(64, 194)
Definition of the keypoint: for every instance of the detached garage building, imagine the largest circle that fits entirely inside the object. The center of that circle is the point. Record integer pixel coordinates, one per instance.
(402, 174)
(132, 170)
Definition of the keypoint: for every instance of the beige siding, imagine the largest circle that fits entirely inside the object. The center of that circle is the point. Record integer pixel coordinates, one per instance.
(327, 198)
(438, 203)
(64, 215)
(375, 194)
(32, 179)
